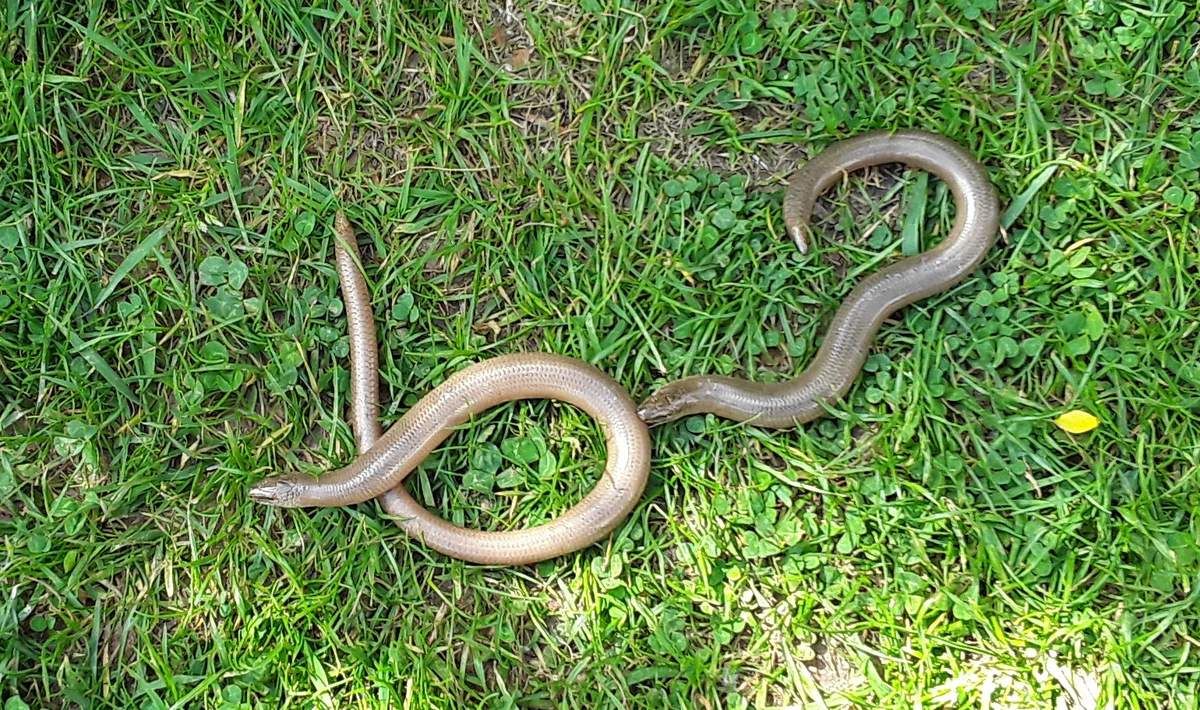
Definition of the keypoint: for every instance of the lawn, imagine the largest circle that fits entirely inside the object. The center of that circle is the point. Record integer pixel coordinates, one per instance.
(602, 182)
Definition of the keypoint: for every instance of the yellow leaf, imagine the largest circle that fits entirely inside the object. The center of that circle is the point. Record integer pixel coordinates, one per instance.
(1077, 421)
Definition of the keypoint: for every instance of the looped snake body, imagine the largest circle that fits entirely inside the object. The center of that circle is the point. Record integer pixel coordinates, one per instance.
(385, 460)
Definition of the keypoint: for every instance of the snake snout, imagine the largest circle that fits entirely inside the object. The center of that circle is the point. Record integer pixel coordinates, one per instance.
(651, 413)
(274, 491)
(659, 408)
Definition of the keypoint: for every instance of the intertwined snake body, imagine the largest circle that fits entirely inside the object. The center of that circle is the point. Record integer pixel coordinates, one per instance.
(385, 460)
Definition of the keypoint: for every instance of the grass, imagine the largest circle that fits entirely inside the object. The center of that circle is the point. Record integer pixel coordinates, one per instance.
(605, 183)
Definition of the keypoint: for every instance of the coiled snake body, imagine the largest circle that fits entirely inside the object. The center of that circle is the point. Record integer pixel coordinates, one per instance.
(385, 460)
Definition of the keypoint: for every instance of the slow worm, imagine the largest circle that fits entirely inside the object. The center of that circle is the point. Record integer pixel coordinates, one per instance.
(386, 459)
(844, 349)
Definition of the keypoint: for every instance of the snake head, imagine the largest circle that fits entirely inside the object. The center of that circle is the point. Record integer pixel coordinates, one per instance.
(666, 405)
(799, 236)
(281, 492)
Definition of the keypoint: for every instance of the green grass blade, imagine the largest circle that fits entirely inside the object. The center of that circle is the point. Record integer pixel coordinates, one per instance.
(130, 262)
